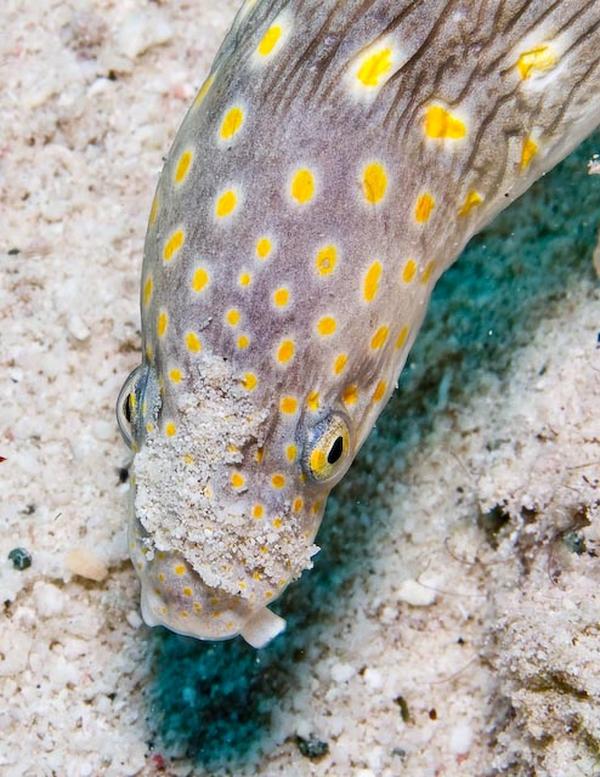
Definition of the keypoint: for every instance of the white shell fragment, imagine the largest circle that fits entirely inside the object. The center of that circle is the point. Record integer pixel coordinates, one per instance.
(85, 563)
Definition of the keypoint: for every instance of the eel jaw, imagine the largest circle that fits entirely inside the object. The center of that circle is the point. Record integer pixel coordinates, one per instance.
(258, 631)
(262, 627)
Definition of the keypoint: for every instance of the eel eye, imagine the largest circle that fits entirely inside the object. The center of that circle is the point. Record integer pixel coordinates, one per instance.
(127, 406)
(327, 448)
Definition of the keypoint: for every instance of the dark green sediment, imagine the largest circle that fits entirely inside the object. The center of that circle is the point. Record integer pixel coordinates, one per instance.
(213, 701)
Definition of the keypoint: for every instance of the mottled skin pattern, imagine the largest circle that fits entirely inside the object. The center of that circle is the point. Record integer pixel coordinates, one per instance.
(334, 164)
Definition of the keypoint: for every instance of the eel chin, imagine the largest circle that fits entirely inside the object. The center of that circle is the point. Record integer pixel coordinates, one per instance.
(174, 595)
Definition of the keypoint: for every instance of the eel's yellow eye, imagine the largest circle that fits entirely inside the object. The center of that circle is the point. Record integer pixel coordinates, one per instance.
(127, 405)
(327, 448)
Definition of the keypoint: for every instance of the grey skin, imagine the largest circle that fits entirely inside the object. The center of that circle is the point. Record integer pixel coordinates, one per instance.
(467, 103)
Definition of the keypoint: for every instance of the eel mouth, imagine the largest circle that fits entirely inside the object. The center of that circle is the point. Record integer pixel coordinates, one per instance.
(174, 595)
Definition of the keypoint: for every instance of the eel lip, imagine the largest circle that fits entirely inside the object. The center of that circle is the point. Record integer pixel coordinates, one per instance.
(262, 627)
(147, 614)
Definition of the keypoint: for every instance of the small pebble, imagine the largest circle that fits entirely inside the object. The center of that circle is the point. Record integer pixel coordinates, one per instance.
(373, 679)
(78, 328)
(20, 558)
(341, 673)
(415, 594)
(461, 739)
(85, 563)
(312, 747)
(142, 31)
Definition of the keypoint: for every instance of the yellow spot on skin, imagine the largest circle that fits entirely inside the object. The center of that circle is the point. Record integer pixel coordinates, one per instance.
(148, 286)
(149, 427)
(278, 480)
(232, 123)
(263, 248)
(529, 150)
(339, 363)
(269, 40)
(249, 381)
(409, 271)
(440, 124)
(325, 260)
(173, 244)
(161, 577)
(149, 352)
(203, 91)
(285, 351)
(258, 511)
(281, 297)
(186, 591)
(424, 207)
(288, 405)
(162, 323)
(184, 614)
(374, 67)
(298, 504)
(313, 402)
(154, 210)
(427, 272)
(539, 58)
(326, 326)
(371, 281)
(200, 279)
(277, 523)
(379, 338)
(183, 166)
(188, 458)
(256, 575)
(302, 188)
(243, 342)
(374, 183)
(170, 429)
(175, 375)
(197, 607)
(233, 316)
(350, 395)
(402, 337)
(472, 200)
(226, 204)
(192, 342)
(259, 455)
(379, 392)
(291, 451)
(179, 570)
(237, 480)
(244, 279)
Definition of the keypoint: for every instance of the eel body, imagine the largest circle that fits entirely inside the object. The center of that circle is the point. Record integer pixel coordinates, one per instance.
(335, 162)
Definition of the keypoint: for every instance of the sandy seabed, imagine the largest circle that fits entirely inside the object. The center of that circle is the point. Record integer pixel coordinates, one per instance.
(465, 638)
